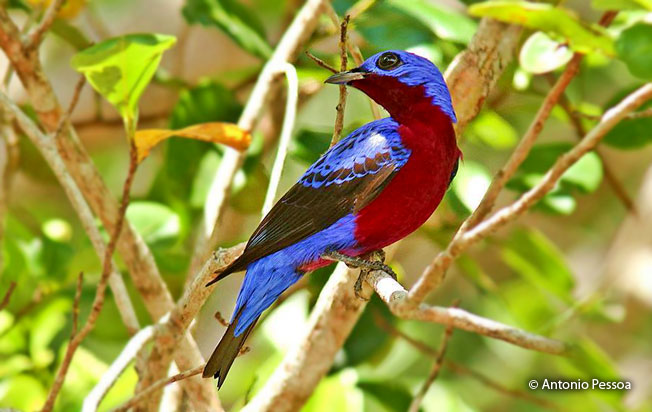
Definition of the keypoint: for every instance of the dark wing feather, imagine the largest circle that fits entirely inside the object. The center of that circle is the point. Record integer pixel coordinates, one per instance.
(344, 180)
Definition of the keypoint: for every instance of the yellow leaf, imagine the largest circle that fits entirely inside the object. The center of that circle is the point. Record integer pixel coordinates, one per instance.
(225, 133)
(70, 9)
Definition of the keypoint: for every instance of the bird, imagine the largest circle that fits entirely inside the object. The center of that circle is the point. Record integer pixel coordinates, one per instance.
(370, 189)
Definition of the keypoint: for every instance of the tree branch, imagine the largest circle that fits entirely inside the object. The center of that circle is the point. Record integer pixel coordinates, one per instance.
(341, 105)
(98, 301)
(86, 179)
(435, 272)
(157, 386)
(434, 372)
(36, 35)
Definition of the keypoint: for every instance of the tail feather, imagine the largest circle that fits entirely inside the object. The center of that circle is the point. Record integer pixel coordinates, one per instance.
(227, 350)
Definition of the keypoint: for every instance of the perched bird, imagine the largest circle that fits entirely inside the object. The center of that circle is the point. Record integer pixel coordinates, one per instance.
(372, 188)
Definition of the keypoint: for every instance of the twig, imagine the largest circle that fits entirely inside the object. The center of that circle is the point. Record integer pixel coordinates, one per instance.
(158, 385)
(358, 59)
(294, 37)
(73, 103)
(129, 352)
(609, 175)
(82, 182)
(75, 306)
(434, 372)
(395, 297)
(524, 146)
(341, 105)
(36, 35)
(7, 296)
(321, 63)
(286, 136)
(218, 317)
(461, 369)
(98, 301)
(434, 273)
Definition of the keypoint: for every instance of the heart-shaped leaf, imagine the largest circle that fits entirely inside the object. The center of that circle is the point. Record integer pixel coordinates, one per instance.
(120, 68)
(541, 54)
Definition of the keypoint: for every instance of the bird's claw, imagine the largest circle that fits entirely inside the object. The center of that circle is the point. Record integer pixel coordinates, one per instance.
(364, 265)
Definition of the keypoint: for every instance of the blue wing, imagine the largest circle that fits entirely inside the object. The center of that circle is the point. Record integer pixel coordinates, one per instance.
(344, 180)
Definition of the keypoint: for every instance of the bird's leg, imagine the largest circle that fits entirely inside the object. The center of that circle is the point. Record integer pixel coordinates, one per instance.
(370, 261)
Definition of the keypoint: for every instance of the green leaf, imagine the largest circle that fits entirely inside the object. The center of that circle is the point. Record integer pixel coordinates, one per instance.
(209, 101)
(46, 325)
(391, 395)
(234, 19)
(552, 20)
(157, 223)
(70, 34)
(470, 184)
(445, 23)
(387, 27)
(120, 68)
(630, 133)
(493, 130)
(585, 175)
(621, 4)
(530, 254)
(634, 47)
(23, 393)
(541, 54)
(309, 144)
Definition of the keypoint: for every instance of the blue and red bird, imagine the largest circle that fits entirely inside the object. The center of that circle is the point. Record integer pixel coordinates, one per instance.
(372, 188)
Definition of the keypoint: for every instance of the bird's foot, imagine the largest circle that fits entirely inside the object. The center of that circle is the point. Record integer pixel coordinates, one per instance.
(371, 261)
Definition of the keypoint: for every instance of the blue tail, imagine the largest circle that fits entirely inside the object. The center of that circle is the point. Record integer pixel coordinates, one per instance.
(264, 282)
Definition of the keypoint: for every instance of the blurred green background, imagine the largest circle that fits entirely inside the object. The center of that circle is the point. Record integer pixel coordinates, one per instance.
(577, 268)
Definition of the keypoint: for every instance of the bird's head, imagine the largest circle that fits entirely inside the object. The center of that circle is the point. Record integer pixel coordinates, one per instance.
(400, 82)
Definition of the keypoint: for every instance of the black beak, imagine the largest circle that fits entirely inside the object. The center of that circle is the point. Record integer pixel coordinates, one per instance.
(346, 77)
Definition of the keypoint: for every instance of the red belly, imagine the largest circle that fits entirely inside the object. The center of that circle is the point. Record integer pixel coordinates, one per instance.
(413, 194)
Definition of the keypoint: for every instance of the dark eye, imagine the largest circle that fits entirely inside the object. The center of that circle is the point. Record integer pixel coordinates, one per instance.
(388, 61)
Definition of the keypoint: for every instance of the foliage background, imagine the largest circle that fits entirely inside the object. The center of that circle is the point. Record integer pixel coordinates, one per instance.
(575, 268)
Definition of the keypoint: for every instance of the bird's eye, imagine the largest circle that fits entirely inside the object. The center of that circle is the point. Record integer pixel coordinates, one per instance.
(388, 61)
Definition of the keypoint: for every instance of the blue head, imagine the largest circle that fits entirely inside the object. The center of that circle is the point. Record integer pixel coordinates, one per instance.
(397, 80)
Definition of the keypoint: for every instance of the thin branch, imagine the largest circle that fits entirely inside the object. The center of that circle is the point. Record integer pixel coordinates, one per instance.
(75, 306)
(82, 182)
(140, 396)
(524, 146)
(7, 296)
(98, 301)
(396, 298)
(358, 59)
(286, 136)
(341, 105)
(73, 103)
(461, 369)
(434, 372)
(294, 37)
(129, 352)
(435, 272)
(321, 63)
(609, 174)
(36, 35)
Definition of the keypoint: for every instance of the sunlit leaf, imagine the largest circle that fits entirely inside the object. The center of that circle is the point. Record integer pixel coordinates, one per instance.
(23, 393)
(552, 20)
(69, 10)
(585, 175)
(234, 19)
(70, 34)
(493, 130)
(470, 184)
(157, 223)
(120, 68)
(45, 326)
(541, 54)
(216, 132)
(391, 395)
(445, 23)
(621, 4)
(531, 255)
(634, 47)
(630, 133)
